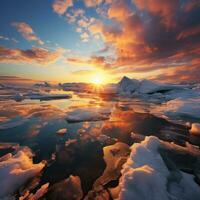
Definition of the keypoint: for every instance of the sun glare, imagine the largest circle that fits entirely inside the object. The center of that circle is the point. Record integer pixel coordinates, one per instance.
(98, 79)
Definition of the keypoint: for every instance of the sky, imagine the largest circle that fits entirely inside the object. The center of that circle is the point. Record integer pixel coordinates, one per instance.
(77, 40)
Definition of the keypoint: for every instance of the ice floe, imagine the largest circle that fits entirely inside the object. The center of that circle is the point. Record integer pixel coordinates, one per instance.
(186, 107)
(16, 169)
(45, 97)
(88, 114)
(40, 96)
(147, 176)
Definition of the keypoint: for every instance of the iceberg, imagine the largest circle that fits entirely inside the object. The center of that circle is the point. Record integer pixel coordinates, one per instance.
(134, 87)
(128, 86)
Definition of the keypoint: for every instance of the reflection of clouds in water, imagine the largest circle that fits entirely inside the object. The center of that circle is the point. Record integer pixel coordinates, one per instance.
(21, 113)
(3, 119)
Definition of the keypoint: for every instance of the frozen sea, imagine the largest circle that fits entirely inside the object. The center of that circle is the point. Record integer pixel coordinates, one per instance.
(78, 142)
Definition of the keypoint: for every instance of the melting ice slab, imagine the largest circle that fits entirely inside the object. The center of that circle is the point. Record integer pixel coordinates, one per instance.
(88, 114)
(145, 175)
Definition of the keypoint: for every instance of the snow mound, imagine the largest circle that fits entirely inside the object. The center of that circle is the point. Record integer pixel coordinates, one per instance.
(145, 175)
(88, 114)
(195, 129)
(16, 169)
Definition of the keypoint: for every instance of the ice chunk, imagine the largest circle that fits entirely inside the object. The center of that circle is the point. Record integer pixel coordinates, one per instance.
(114, 157)
(195, 129)
(39, 193)
(45, 84)
(16, 169)
(62, 131)
(88, 114)
(18, 97)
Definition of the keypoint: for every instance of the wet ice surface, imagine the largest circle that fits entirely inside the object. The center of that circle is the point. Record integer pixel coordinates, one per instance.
(92, 149)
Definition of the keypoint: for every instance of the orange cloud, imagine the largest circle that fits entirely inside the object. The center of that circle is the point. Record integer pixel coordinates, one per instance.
(119, 11)
(165, 8)
(189, 32)
(35, 55)
(27, 32)
(60, 6)
(94, 61)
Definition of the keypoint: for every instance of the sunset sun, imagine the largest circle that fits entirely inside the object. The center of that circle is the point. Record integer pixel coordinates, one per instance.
(98, 79)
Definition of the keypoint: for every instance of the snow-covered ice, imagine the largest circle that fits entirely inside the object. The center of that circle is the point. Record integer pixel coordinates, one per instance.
(16, 169)
(145, 175)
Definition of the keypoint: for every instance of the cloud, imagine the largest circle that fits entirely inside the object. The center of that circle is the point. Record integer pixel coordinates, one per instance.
(119, 11)
(35, 55)
(74, 15)
(27, 32)
(3, 37)
(92, 3)
(189, 32)
(164, 8)
(93, 61)
(84, 37)
(61, 6)
(150, 36)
